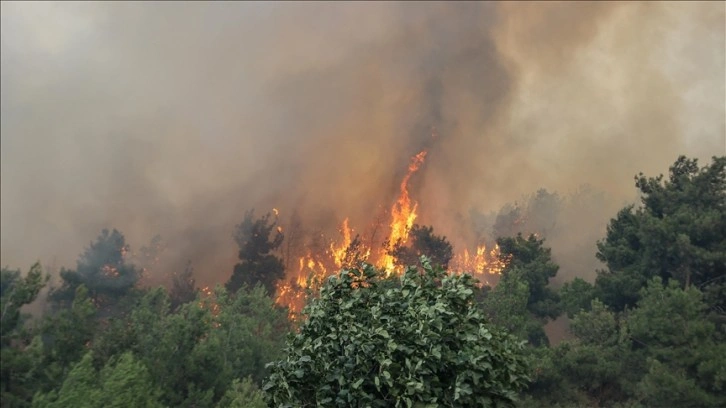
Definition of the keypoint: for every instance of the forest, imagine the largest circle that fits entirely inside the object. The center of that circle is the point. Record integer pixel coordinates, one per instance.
(648, 331)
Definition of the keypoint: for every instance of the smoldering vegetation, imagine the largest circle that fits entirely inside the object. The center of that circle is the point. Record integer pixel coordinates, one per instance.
(170, 119)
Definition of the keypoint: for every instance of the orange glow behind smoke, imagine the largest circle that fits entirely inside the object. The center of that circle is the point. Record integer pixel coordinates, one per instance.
(314, 267)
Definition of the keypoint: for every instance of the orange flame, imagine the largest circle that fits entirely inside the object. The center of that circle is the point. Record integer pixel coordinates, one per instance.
(291, 293)
(313, 267)
(208, 301)
(338, 253)
(480, 264)
(403, 214)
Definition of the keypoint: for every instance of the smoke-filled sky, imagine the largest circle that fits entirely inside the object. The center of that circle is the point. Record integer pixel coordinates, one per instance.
(174, 118)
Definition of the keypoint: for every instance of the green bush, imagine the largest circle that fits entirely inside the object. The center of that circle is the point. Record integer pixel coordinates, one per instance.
(415, 341)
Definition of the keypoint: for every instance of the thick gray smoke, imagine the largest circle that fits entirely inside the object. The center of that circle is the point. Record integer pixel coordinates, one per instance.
(174, 118)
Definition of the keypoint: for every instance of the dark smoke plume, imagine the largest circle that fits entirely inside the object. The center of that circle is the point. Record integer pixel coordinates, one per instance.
(175, 118)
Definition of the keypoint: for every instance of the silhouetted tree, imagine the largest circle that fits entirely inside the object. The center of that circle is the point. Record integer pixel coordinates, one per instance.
(509, 221)
(183, 288)
(148, 255)
(259, 264)
(103, 270)
(424, 242)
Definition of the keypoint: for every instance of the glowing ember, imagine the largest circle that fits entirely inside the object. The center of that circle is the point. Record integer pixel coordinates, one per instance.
(208, 301)
(110, 271)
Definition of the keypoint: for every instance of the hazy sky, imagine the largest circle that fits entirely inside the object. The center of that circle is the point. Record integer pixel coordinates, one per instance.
(176, 117)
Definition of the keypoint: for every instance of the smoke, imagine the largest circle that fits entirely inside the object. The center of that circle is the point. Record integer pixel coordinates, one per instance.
(175, 118)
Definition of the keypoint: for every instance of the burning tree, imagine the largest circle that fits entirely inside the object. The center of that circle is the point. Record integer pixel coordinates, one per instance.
(103, 269)
(403, 215)
(404, 244)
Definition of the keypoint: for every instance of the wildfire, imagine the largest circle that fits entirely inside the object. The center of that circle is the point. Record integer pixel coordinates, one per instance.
(110, 271)
(479, 263)
(292, 296)
(311, 272)
(338, 252)
(208, 301)
(403, 214)
(350, 249)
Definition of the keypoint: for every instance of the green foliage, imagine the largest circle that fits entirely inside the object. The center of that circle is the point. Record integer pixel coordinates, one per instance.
(640, 341)
(680, 343)
(124, 382)
(663, 352)
(195, 353)
(649, 332)
(243, 394)
(669, 319)
(597, 326)
(575, 296)
(16, 292)
(662, 386)
(530, 261)
(423, 242)
(16, 384)
(591, 370)
(419, 343)
(678, 233)
(522, 302)
(259, 264)
(506, 306)
(65, 337)
(103, 270)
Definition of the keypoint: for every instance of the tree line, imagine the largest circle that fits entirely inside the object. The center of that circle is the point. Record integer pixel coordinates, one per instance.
(649, 331)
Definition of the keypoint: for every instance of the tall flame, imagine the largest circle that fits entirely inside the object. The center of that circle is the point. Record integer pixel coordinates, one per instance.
(291, 293)
(338, 252)
(403, 214)
(316, 265)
